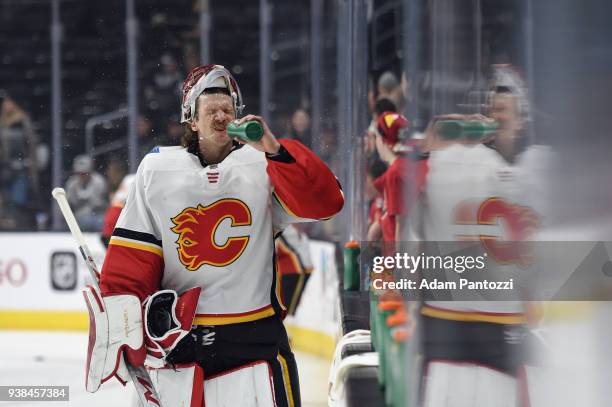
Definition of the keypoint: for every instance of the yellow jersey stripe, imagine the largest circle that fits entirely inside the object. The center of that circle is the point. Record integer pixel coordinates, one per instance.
(284, 206)
(278, 288)
(510, 319)
(286, 380)
(228, 319)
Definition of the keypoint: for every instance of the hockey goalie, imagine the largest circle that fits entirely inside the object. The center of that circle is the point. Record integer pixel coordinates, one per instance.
(189, 283)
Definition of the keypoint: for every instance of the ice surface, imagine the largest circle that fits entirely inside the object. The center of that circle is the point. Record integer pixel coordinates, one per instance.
(58, 359)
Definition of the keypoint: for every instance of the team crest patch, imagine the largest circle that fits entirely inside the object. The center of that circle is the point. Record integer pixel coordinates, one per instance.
(197, 227)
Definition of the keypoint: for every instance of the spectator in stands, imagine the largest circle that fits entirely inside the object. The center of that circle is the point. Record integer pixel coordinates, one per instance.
(300, 127)
(164, 95)
(190, 56)
(406, 88)
(147, 139)
(18, 162)
(371, 93)
(387, 83)
(389, 87)
(86, 192)
(329, 146)
(174, 132)
(169, 78)
(7, 220)
(115, 171)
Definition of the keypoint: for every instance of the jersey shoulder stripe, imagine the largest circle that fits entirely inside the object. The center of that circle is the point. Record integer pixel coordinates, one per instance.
(137, 236)
(135, 244)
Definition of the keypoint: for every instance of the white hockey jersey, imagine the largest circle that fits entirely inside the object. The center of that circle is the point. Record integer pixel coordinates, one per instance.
(472, 194)
(185, 225)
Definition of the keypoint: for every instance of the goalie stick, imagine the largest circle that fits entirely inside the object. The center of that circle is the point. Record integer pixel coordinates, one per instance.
(140, 376)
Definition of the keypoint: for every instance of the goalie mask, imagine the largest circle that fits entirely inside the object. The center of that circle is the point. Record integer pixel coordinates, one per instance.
(505, 79)
(206, 77)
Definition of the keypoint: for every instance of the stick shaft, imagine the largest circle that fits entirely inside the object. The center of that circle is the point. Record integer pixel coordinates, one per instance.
(60, 196)
(140, 377)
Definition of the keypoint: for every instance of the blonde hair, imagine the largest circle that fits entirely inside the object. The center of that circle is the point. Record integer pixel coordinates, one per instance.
(16, 115)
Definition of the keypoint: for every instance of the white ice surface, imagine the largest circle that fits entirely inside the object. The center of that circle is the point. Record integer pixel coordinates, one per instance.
(58, 359)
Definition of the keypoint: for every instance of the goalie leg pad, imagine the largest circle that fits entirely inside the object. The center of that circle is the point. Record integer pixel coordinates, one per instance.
(115, 325)
(182, 386)
(247, 386)
(464, 384)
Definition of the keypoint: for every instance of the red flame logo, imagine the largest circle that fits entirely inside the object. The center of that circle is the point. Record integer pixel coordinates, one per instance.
(197, 227)
(519, 222)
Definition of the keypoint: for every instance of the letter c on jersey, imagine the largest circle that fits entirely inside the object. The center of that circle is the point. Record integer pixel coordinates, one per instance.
(518, 223)
(197, 227)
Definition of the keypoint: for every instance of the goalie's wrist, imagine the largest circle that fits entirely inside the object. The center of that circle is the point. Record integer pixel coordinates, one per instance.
(282, 155)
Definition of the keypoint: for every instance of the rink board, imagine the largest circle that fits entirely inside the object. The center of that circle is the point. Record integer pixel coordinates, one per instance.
(42, 274)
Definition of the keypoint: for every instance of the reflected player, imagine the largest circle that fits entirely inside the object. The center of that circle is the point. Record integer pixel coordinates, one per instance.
(467, 195)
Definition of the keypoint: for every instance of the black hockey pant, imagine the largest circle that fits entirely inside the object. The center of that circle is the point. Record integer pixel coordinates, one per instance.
(235, 345)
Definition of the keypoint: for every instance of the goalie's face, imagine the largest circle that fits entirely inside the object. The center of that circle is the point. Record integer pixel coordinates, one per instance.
(505, 112)
(214, 113)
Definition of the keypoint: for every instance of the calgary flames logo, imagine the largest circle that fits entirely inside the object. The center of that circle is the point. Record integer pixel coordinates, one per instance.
(197, 228)
(518, 223)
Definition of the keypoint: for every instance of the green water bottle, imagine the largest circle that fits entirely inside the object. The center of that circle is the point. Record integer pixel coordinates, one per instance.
(247, 131)
(383, 333)
(471, 130)
(351, 266)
